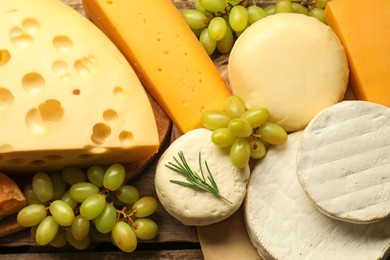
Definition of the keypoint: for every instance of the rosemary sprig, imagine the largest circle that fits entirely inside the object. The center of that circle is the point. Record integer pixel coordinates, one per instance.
(195, 181)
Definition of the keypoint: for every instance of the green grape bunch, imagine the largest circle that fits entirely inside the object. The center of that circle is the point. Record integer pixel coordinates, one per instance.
(218, 23)
(247, 133)
(64, 206)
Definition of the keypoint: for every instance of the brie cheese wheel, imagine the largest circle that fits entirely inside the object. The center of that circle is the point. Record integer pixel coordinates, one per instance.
(292, 64)
(343, 162)
(283, 224)
(195, 207)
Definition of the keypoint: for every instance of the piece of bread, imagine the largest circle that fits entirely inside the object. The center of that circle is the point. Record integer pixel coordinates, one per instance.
(11, 197)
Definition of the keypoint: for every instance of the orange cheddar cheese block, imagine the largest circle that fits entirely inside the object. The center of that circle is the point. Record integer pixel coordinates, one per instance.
(166, 55)
(364, 29)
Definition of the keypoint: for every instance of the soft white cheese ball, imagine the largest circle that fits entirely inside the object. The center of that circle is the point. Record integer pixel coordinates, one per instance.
(291, 64)
(194, 207)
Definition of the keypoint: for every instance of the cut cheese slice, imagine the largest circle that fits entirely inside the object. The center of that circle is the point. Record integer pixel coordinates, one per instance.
(283, 224)
(167, 56)
(291, 64)
(364, 29)
(343, 161)
(68, 96)
(195, 207)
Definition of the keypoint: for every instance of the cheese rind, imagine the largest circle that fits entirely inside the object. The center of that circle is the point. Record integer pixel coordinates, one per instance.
(165, 53)
(68, 96)
(363, 28)
(292, 64)
(343, 161)
(283, 224)
(11, 197)
(195, 207)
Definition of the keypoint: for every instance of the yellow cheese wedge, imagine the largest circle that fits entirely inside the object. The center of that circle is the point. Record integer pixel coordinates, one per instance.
(67, 94)
(168, 58)
(364, 29)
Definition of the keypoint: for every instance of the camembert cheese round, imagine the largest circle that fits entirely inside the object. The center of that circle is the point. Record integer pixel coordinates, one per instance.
(343, 162)
(195, 207)
(291, 64)
(283, 224)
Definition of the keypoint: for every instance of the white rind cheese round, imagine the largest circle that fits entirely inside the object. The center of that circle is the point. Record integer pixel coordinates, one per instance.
(291, 64)
(343, 162)
(283, 224)
(194, 207)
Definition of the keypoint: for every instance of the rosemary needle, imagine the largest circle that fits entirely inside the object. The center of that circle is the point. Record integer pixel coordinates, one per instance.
(195, 180)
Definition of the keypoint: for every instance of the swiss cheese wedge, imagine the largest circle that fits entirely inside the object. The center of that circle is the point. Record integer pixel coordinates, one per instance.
(165, 53)
(364, 29)
(67, 94)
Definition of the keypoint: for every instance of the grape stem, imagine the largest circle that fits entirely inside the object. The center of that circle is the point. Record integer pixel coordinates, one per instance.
(195, 181)
(127, 216)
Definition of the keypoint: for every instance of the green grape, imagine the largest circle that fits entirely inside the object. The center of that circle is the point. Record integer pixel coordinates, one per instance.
(30, 195)
(114, 177)
(197, 32)
(78, 244)
(238, 18)
(225, 45)
(195, 19)
(92, 206)
(124, 237)
(199, 6)
(62, 213)
(255, 13)
(95, 175)
(80, 228)
(270, 9)
(59, 240)
(127, 194)
(299, 9)
(236, 2)
(271, 133)
(73, 175)
(321, 3)
(217, 28)
(319, 14)
(213, 119)
(82, 190)
(31, 215)
(208, 43)
(69, 200)
(106, 220)
(222, 137)
(234, 106)
(257, 149)
(42, 186)
(59, 185)
(145, 228)
(214, 6)
(46, 231)
(283, 6)
(240, 127)
(256, 116)
(145, 206)
(240, 152)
